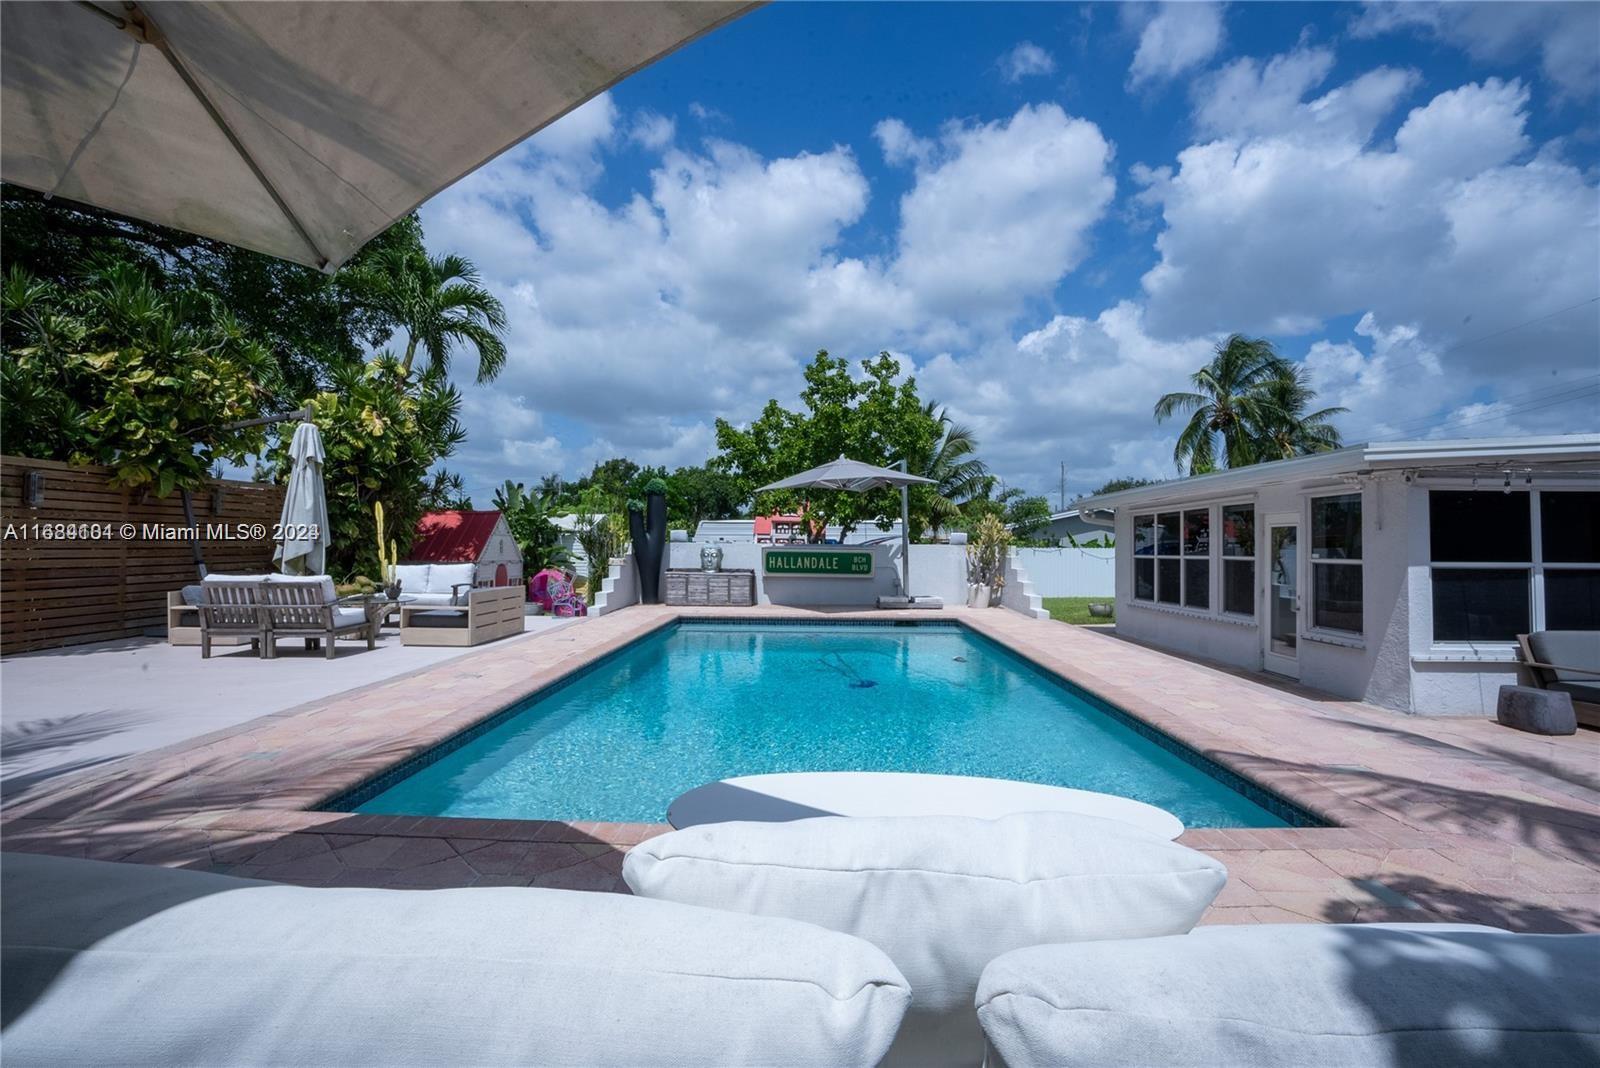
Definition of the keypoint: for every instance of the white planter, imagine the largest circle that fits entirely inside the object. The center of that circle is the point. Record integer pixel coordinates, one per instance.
(978, 596)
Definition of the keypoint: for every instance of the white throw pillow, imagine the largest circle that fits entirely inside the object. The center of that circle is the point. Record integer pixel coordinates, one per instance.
(1357, 996)
(941, 895)
(131, 965)
(445, 577)
(329, 593)
(413, 578)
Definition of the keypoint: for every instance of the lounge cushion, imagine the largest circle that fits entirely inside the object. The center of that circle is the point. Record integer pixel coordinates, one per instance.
(444, 619)
(329, 594)
(427, 598)
(413, 577)
(131, 965)
(1569, 649)
(442, 578)
(1578, 691)
(348, 617)
(1362, 996)
(941, 895)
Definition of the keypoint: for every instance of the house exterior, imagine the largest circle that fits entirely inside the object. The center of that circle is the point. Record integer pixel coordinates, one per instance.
(1398, 573)
(459, 537)
(1070, 526)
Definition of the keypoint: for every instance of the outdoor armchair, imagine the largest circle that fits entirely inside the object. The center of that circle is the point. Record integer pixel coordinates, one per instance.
(308, 607)
(1566, 661)
(230, 606)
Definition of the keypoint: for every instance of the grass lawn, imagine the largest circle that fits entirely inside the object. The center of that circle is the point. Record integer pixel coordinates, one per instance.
(1076, 609)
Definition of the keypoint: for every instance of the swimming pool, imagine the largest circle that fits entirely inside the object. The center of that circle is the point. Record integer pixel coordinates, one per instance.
(701, 701)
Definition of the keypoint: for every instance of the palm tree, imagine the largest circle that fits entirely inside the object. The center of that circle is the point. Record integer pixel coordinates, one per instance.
(1288, 429)
(957, 473)
(1230, 398)
(439, 301)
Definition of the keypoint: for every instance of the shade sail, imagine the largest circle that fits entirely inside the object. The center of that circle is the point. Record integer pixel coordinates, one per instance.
(304, 522)
(843, 474)
(301, 129)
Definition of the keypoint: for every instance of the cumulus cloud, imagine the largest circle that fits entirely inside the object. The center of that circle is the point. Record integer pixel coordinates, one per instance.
(1026, 60)
(1562, 34)
(652, 131)
(1174, 38)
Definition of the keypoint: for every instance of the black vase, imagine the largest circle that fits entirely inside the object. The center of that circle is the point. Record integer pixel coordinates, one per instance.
(649, 533)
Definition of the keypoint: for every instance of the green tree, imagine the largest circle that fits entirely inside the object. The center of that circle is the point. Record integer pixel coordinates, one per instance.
(1284, 428)
(957, 472)
(1027, 517)
(1117, 485)
(383, 432)
(873, 419)
(439, 301)
(696, 494)
(1230, 398)
(116, 372)
(532, 527)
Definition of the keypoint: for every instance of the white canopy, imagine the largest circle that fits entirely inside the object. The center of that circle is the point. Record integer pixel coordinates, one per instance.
(304, 548)
(301, 129)
(858, 477)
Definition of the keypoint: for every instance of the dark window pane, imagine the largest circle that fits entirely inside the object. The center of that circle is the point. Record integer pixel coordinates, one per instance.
(1197, 532)
(1479, 605)
(1336, 597)
(1167, 587)
(1571, 600)
(1144, 580)
(1570, 527)
(1239, 531)
(1239, 587)
(1167, 534)
(1197, 583)
(1480, 527)
(1336, 527)
(1144, 535)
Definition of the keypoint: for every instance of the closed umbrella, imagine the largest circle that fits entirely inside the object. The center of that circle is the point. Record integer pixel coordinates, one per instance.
(857, 477)
(301, 129)
(304, 548)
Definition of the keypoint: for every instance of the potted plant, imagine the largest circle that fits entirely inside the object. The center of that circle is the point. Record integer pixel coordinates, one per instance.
(647, 526)
(986, 562)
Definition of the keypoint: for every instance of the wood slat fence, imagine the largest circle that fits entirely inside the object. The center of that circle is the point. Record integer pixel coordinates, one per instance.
(95, 586)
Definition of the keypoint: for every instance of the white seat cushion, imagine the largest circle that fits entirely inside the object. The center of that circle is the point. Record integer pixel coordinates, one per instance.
(426, 598)
(942, 895)
(1362, 996)
(329, 594)
(348, 617)
(132, 965)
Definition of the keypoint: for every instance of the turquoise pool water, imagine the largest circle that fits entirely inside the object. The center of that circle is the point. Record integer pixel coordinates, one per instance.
(704, 701)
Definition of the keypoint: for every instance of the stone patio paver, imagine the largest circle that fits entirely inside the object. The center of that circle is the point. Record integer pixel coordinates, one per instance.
(1435, 819)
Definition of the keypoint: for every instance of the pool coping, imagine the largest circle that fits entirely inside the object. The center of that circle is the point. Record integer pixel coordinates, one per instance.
(242, 800)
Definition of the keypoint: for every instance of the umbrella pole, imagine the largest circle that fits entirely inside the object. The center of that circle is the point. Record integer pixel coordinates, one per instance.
(905, 535)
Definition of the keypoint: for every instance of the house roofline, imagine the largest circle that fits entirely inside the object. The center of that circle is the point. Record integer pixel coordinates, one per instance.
(1356, 459)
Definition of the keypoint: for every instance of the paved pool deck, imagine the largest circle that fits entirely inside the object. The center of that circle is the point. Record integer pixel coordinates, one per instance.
(1457, 820)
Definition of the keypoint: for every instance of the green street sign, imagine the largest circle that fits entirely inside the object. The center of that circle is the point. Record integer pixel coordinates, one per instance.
(817, 563)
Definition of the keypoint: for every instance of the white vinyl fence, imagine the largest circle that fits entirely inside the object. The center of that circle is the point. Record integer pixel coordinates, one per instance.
(1070, 572)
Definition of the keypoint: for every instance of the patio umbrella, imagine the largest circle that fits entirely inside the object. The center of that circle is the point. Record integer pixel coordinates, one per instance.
(857, 477)
(301, 129)
(304, 549)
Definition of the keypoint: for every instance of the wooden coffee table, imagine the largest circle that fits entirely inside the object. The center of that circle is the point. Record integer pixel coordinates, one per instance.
(801, 795)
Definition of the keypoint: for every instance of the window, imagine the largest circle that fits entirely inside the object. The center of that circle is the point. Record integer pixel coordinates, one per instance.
(1197, 558)
(1336, 600)
(1144, 551)
(1491, 560)
(1168, 560)
(1239, 559)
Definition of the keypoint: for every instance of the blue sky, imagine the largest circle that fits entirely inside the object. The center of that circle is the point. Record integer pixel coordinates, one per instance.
(1050, 213)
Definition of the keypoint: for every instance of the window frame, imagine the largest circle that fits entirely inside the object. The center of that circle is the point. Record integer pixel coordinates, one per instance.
(1212, 556)
(1309, 628)
(1537, 568)
(1220, 541)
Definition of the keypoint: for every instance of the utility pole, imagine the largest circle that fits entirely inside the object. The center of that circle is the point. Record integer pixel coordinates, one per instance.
(1063, 485)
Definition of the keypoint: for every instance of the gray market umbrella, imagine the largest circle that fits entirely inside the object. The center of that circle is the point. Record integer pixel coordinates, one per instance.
(301, 129)
(304, 548)
(857, 477)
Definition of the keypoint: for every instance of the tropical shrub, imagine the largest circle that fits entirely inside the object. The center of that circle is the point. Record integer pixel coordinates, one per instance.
(986, 553)
(537, 537)
(120, 373)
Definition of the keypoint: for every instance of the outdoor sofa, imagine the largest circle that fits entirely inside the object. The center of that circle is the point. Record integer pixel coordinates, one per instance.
(441, 606)
(264, 608)
(772, 944)
(1566, 661)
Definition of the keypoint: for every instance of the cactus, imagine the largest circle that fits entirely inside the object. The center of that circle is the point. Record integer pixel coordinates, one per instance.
(647, 526)
(386, 562)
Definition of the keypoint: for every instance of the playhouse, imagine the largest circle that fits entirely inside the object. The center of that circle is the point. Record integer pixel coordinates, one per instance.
(461, 537)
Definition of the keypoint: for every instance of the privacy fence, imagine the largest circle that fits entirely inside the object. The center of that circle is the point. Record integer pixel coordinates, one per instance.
(85, 561)
(1070, 572)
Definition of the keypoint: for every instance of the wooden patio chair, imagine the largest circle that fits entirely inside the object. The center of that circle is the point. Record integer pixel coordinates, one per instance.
(232, 608)
(309, 609)
(1577, 673)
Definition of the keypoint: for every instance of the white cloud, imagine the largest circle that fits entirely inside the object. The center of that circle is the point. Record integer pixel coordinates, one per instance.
(900, 146)
(1177, 38)
(652, 131)
(1563, 34)
(1248, 98)
(1026, 60)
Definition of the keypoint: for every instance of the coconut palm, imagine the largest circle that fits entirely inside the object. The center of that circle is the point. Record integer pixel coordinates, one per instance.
(439, 301)
(957, 473)
(1287, 429)
(1230, 398)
